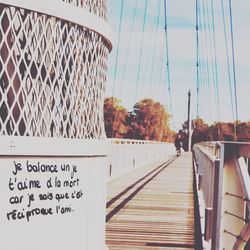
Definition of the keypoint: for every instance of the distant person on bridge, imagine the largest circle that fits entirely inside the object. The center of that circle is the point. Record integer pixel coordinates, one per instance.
(178, 144)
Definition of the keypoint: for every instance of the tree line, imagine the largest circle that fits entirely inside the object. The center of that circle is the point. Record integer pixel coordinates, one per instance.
(219, 131)
(148, 120)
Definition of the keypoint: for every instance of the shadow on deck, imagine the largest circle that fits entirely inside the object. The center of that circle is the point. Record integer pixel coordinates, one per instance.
(153, 207)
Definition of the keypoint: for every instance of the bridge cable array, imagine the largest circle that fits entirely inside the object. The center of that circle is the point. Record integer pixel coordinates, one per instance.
(204, 52)
(129, 43)
(227, 58)
(197, 59)
(118, 44)
(234, 103)
(233, 61)
(155, 72)
(215, 62)
(141, 48)
(167, 63)
(206, 58)
(154, 40)
(116, 59)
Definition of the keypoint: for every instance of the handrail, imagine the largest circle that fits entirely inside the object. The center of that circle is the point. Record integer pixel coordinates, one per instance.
(222, 173)
(207, 183)
(133, 141)
(126, 154)
(69, 12)
(245, 183)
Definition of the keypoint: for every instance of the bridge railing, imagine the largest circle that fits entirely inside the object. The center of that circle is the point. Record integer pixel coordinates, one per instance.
(126, 155)
(224, 191)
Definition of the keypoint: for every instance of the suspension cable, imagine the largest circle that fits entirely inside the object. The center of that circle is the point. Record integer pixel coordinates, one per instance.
(129, 45)
(211, 55)
(118, 45)
(215, 61)
(154, 45)
(140, 53)
(148, 52)
(167, 57)
(233, 58)
(197, 59)
(126, 58)
(116, 62)
(141, 48)
(205, 55)
(202, 73)
(227, 55)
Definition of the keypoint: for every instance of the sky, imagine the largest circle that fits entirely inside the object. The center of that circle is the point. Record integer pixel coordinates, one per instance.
(138, 63)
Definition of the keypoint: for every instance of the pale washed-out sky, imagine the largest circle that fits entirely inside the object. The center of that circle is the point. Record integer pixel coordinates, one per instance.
(124, 83)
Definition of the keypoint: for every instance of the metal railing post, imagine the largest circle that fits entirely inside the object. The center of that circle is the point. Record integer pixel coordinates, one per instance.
(225, 192)
(217, 202)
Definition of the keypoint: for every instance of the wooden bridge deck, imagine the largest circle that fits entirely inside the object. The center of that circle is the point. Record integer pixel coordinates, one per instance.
(152, 207)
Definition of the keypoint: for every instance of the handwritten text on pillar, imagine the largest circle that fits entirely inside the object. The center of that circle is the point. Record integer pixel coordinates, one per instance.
(40, 189)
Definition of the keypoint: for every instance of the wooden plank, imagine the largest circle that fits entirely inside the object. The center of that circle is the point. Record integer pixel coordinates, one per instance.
(158, 215)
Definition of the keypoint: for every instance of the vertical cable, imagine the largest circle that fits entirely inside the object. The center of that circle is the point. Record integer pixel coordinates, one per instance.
(228, 64)
(202, 73)
(141, 48)
(161, 71)
(211, 56)
(154, 46)
(140, 53)
(129, 45)
(216, 70)
(197, 59)
(118, 45)
(206, 67)
(233, 58)
(215, 61)
(167, 56)
(116, 62)
(149, 52)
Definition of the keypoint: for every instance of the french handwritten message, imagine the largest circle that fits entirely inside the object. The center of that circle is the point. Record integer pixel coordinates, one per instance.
(37, 188)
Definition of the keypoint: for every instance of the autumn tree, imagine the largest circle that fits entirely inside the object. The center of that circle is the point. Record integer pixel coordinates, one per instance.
(115, 116)
(222, 131)
(168, 135)
(148, 121)
(243, 131)
(200, 131)
(219, 131)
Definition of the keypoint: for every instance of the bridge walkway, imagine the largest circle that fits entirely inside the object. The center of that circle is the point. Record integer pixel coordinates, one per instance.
(152, 207)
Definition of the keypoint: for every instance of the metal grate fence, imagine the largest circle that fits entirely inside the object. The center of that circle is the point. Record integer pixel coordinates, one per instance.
(52, 74)
(98, 7)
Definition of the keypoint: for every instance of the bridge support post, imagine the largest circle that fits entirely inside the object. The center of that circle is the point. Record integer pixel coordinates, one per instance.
(53, 193)
(217, 201)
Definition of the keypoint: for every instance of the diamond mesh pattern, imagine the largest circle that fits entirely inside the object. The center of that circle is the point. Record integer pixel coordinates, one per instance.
(52, 76)
(98, 7)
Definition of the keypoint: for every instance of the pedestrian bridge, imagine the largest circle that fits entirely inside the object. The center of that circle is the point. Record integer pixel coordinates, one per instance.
(187, 202)
(53, 71)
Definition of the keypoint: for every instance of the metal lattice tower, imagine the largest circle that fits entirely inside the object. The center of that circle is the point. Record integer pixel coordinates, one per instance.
(53, 66)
